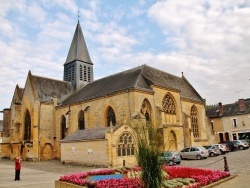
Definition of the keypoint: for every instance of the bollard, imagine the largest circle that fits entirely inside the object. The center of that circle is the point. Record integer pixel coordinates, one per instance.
(91, 184)
(226, 169)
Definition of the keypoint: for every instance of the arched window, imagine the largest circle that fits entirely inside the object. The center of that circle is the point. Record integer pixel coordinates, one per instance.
(63, 127)
(194, 121)
(110, 117)
(168, 104)
(146, 110)
(126, 145)
(27, 126)
(81, 124)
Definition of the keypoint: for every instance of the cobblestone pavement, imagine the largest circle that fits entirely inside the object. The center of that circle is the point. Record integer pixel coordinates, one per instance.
(238, 163)
(53, 166)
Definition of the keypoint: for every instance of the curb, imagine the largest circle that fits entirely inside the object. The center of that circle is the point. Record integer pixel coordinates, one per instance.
(220, 181)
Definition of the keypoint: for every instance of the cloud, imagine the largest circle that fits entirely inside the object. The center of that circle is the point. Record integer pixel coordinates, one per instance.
(214, 34)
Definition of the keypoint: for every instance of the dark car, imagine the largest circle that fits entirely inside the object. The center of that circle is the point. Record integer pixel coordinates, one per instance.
(229, 144)
(170, 158)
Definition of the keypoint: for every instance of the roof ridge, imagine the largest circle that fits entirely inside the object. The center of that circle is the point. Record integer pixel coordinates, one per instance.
(53, 79)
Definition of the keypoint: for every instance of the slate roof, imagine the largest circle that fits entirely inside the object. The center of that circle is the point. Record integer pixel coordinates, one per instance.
(141, 77)
(88, 134)
(47, 88)
(78, 49)
(20, 92)
(232, 109)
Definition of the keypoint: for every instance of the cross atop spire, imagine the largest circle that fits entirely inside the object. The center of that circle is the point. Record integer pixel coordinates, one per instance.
(78, 15)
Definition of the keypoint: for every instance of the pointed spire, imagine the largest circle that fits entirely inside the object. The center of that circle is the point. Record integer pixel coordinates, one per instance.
(78, 49)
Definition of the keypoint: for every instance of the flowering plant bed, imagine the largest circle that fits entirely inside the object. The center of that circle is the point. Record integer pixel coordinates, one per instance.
(201, 177)
(173, 177)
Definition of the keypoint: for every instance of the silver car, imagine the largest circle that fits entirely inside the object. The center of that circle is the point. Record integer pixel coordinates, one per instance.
(170, 158)
(212, 150)
(198, 152)
(241, 144)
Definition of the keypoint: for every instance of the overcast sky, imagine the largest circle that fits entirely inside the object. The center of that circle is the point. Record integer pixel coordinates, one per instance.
(207, 40)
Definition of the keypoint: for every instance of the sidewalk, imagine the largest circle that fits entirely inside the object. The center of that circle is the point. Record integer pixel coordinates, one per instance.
(29, 178)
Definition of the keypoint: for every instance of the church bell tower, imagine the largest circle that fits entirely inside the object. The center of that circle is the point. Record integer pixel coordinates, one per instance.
(78, 68)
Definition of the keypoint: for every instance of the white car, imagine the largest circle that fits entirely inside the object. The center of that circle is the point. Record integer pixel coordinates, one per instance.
(223, 148)
(198, 152)
(241, 144)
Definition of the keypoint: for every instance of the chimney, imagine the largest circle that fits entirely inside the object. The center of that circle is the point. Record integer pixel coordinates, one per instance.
(220, 108)
(242, 105)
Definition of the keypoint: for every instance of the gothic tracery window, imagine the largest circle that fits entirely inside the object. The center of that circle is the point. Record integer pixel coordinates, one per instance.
(81, 124)
(110, 117)
(194, 121)
(168, 105)
(27, 126)
(126, 145)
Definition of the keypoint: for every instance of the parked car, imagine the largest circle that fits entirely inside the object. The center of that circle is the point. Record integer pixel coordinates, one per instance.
(198, 152)
(212, 150)
(229, 144)
(241, 144)
(170, 158)
(222, 147)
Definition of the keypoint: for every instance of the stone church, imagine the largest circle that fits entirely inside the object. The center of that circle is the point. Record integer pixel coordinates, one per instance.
(79, 119)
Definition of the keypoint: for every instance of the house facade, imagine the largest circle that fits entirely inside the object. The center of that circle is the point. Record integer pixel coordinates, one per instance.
(79, 119)
(230, 121)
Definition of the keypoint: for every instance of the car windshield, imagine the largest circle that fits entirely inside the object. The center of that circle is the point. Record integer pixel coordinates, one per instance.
(207, 147)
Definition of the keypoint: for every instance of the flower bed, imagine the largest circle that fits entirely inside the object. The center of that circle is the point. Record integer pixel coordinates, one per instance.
(202, 177)
(173, 177)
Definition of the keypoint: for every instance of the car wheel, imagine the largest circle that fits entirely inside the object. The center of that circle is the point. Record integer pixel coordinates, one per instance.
(212, 154)
(199, 157)
(170, 163)
(222, 152)
(241, 147)
(178, 162)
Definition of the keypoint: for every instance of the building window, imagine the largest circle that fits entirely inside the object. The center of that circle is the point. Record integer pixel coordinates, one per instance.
(194, 121)
(234, 122)
(27, 126)
(126, 145)
(81, 124)
(168, 105)
(63, 127)
(110, 118)
(89, 80)
(85, 74)
(212, 125)
(80, 72)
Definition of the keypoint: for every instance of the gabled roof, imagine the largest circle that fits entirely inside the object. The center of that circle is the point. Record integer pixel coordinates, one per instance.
(18, 94)
(78, 49)
(47, 88)
(232, 109)
(141, 78)
(89, 134)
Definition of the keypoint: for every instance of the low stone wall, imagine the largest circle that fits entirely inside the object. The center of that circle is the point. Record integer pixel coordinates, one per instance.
(63, 184)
